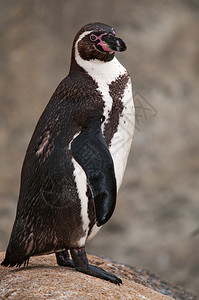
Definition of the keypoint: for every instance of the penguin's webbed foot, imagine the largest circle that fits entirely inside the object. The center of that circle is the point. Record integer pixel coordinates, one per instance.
(63, 259)
(81, 264)
(100, 273)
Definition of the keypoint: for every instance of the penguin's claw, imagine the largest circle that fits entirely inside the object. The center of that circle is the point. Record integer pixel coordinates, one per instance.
(63, 259)
(81, 264)
(100, 273)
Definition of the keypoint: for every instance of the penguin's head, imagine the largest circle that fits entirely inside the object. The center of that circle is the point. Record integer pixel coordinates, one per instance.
(97, 41)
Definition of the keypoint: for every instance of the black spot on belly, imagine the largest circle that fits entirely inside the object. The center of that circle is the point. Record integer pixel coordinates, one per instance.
(116, 91)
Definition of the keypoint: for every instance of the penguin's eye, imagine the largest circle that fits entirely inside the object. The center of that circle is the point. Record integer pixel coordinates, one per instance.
(93, 37)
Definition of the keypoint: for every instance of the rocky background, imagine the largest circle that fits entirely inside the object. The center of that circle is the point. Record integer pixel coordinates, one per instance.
(156, 222)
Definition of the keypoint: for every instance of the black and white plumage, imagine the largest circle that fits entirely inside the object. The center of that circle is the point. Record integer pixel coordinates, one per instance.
(77, 156)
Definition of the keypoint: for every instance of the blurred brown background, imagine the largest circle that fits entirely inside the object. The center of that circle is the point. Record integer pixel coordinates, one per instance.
(155, 225)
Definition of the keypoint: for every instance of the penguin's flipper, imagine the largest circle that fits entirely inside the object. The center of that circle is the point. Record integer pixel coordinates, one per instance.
(90, 150)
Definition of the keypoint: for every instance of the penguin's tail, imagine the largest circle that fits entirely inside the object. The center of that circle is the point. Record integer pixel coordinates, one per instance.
(14, 261)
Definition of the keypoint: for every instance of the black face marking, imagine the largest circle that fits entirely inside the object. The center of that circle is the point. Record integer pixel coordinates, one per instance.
(93, 49)
(116, 91)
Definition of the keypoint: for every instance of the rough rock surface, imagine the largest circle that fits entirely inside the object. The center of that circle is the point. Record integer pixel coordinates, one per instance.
(43, 279)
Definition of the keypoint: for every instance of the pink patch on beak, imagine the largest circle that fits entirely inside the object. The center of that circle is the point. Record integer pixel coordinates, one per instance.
(103, 44)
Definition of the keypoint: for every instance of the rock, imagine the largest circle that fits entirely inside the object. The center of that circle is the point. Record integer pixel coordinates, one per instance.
(43, 279)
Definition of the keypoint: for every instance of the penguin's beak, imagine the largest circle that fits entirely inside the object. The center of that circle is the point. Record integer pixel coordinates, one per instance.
(113, 43)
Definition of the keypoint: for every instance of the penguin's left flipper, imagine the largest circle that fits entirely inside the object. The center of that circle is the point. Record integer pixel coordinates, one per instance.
(91, 152)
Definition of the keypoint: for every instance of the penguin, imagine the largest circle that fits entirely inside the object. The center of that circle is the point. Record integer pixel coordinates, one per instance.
(76, 158)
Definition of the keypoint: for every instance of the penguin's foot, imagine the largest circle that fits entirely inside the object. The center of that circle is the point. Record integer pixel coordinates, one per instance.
(63, 259)
(81, 264)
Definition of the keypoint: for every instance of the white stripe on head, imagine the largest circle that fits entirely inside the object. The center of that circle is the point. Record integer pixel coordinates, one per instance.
(76, 44)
